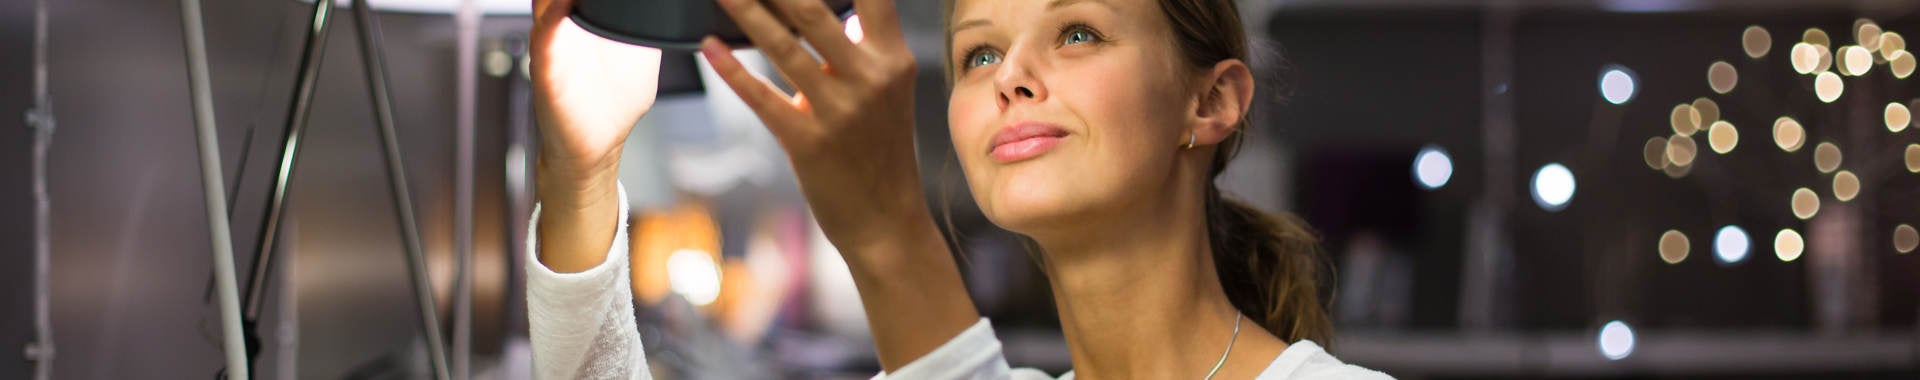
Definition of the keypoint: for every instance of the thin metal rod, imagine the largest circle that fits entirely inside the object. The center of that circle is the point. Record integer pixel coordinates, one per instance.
(220, 237)
(40, 118)
(309, 70)
(467, 20)
(374, 58)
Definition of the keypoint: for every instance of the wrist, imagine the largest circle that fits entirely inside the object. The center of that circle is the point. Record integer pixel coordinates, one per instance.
(574, 187)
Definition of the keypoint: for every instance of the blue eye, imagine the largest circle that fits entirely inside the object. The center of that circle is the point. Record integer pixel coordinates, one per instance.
(982, 59)
(1078, 36)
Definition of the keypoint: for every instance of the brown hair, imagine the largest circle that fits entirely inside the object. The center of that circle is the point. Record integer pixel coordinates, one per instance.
(1270, 265)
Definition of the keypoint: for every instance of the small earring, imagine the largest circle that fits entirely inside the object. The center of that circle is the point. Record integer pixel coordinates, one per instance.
(1190, 139)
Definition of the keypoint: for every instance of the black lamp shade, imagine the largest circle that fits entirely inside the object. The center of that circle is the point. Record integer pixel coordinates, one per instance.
(667, 24)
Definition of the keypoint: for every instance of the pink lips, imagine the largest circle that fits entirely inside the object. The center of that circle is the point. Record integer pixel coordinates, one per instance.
(1024, 140)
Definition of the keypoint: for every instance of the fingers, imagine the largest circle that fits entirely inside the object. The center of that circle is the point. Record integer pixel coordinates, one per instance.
(771, 36)
(822, 29)
(878, 19)
(767, 101)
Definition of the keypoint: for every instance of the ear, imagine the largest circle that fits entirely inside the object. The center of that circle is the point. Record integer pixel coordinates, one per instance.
(1225, 94)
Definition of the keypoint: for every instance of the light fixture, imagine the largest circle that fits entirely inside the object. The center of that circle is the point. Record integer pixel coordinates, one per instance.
(667, 24)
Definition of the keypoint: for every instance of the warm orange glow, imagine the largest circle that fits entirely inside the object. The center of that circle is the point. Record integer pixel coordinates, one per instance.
(1756, 41)
(1845, 186)
(1826, 157)
(1805, 204)
(1722, 77)
(1674, 247)
(1788, 134)
(1685, 120)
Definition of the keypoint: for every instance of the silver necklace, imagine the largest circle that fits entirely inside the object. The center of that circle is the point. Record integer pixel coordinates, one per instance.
(1223, 356)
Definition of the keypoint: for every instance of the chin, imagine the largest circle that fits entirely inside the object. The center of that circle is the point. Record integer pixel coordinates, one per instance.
(1028, 202)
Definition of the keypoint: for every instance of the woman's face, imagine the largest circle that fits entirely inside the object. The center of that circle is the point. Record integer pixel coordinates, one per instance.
(1064, 110)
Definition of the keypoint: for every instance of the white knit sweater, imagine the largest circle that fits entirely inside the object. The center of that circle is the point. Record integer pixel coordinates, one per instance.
(582, 327)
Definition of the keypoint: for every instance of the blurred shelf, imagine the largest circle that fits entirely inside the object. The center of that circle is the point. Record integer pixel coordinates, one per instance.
(1668, 352)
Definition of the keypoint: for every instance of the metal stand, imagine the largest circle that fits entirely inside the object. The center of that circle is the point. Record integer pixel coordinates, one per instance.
(309, 69)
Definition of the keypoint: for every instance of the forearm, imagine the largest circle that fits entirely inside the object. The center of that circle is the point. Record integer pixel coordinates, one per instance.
(579, 213)
(911, 289)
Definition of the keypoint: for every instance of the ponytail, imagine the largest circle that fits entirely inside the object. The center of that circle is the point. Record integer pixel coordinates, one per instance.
(1270, 266)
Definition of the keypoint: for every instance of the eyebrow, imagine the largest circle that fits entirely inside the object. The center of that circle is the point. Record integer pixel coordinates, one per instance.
(1055, 4)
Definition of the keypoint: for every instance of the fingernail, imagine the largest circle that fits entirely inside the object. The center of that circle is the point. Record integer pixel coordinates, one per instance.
(711, 47)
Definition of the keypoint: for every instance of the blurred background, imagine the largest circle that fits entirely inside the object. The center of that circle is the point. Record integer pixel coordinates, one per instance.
(1509, 189)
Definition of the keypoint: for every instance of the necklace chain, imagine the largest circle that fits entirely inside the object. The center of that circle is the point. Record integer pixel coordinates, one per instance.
(1223, 355)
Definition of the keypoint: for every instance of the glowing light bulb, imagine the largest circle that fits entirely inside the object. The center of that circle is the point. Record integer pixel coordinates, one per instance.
(1805, 57)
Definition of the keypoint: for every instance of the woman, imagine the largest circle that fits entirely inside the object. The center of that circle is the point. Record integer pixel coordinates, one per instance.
(1095, 127)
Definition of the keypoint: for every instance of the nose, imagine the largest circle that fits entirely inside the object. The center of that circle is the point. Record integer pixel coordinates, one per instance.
(1017, 83)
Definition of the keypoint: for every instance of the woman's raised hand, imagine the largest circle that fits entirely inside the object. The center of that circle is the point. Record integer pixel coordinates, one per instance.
(587, 94)
(849, 128)
(849, 134)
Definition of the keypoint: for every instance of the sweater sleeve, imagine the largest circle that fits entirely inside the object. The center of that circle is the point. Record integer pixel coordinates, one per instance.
(974, 354)
(582, 324)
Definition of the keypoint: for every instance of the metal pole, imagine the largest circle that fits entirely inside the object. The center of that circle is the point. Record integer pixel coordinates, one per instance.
(40, 119)
(296, 126)
(210, 177)
(467, 19)
(372, 55)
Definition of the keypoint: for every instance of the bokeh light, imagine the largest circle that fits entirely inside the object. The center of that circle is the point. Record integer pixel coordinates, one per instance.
(1756, 41)
(1681, 150)
(1685, 120)
(1815, 36)
(1897, 116)
(1722, 137)
(1855, 60)
(1788, 134)
(1913, 158)
(695, 275)
(1890, 43)
(1722, 77)
(1730, 245)
(1674, 246)
(1432, 167)
(1845, 186)
(1828, 87)
(1616, 340)
(1867, 33)
(1655, 152)
(1901, 63)
(1618, 84)
(1788, 245)
(1826, 157)
(1806, 204)
(1905, 239)
(1553, 186)
(1709, 111)
(1805, 57)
